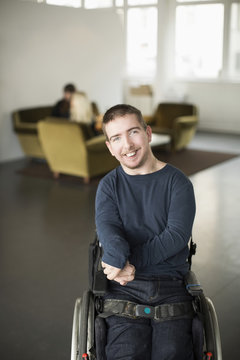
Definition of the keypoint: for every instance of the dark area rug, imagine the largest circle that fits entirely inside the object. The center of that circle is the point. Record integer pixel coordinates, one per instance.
(188, 160)
(192, 161)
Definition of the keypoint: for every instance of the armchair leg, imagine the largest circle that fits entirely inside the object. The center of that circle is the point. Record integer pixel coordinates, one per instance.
(56, 175)
(86, 180)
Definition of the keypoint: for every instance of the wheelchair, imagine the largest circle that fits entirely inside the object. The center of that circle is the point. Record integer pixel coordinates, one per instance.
(89, 329)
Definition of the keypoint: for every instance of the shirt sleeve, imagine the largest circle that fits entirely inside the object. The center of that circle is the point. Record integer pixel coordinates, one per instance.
(109, 228)
(175, 237)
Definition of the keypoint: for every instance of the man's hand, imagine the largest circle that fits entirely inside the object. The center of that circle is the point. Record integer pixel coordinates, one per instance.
(123, 276)
(126, 275)
(110, 271)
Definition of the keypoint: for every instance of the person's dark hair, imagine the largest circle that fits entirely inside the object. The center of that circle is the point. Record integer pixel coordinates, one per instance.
(121, 110)
(69, 88)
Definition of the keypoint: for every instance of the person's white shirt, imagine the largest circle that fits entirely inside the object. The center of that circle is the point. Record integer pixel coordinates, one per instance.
(80, 108)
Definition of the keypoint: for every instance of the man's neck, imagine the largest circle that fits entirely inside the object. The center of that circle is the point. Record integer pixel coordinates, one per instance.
(151, 166)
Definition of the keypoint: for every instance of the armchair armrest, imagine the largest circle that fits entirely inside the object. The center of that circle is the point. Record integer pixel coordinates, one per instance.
(184, 129)
(185, 121)
(22, 126)
(25, 120)
(162, 130)
(97, 144)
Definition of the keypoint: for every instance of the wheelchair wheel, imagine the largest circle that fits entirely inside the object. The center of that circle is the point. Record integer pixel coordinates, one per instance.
(75, 330)
(212, 332)
(83, 326)
(215, 330)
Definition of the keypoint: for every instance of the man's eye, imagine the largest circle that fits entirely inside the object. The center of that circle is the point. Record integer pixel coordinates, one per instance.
(115, 139)
(133, 132)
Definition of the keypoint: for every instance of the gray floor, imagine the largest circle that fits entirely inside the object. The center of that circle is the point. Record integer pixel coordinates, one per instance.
(46, 227)
(216, 231)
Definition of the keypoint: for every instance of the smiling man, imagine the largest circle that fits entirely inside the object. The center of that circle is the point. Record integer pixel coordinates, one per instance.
(144, 215)
(128, 141)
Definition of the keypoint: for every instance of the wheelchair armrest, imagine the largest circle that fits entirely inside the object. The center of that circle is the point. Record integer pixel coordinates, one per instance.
(193, 286)
(97, 279)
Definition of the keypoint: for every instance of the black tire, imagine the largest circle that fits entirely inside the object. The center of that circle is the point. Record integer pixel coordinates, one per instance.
(215, 330)
(211, 329)
(91, 325)
(83, 323)
(75, 330)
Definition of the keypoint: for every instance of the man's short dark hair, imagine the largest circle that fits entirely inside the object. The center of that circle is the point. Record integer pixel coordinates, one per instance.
(69, 88)
(121, 110)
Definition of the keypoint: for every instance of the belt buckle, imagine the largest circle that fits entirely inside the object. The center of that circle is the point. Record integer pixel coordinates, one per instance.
(145, 311)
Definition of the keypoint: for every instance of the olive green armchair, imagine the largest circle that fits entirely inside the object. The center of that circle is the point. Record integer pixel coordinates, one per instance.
(70, 149)
(177, 120)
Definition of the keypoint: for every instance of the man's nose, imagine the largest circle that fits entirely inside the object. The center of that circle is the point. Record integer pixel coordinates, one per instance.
(127, 142)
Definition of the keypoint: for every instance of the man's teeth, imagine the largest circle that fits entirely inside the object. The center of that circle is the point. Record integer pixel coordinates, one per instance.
(131, 154)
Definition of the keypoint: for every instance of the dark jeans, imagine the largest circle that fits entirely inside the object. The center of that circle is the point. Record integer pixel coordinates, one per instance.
(146, 339)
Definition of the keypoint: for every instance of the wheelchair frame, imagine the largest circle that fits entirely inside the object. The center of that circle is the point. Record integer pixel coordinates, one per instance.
(85, 312)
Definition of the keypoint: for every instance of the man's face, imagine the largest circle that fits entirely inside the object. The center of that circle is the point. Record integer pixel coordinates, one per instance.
(67, 95)
(129, 143)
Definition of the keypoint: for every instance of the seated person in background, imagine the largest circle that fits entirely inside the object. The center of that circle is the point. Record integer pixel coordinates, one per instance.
(81, 108)
(62, 107)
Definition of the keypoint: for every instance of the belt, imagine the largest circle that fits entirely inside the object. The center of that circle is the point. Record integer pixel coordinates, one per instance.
(160, 313)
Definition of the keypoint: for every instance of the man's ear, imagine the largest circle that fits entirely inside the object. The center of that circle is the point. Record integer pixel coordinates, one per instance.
(149, 133)
(109, 147)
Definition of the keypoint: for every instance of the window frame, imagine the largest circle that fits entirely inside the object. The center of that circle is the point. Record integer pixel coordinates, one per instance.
(225, 75)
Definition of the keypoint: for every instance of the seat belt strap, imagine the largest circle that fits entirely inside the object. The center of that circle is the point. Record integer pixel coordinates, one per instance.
(159, 313)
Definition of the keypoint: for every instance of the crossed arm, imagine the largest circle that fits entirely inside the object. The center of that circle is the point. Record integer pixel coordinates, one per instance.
(162, 246)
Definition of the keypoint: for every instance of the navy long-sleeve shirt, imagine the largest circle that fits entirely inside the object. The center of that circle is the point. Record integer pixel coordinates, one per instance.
(146, 219)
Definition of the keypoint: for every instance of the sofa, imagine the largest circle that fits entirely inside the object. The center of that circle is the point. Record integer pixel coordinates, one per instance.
(178, 120)
(25, 126)
(70, 148)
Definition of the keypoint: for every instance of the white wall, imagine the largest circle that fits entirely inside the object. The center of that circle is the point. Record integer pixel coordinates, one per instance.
(44, 47)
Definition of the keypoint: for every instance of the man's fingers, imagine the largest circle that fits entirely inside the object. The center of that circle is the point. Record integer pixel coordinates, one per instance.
(122, 276)
(123, 283)
(128, 269)
(110, 271)
(111, 274)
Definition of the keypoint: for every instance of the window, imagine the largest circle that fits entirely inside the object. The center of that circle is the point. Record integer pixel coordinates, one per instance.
(207, 39)
(234, 47)
(199, 40)
(95, 4)
(119, 2)
(141, 41)
(142, 2)
(180, 1)
(70, 3)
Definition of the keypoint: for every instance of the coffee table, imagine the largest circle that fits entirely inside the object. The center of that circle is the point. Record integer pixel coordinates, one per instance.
(160, 140)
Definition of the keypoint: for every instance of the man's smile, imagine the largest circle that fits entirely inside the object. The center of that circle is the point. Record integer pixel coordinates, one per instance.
(131, 154)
